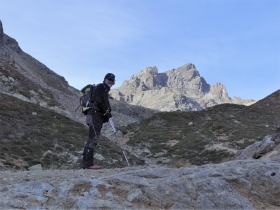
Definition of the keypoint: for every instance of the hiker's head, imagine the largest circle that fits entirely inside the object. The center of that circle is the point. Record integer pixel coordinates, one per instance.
(109, 79)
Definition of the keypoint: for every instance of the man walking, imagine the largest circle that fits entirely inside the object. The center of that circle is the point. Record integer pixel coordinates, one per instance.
(99, 113)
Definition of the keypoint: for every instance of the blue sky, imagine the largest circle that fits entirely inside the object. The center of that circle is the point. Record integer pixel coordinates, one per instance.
(234, 42)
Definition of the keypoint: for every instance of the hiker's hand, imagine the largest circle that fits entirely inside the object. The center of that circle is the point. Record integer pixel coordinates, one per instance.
(107, 114)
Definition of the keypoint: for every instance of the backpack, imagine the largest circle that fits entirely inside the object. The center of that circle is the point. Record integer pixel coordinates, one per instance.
(86, 98)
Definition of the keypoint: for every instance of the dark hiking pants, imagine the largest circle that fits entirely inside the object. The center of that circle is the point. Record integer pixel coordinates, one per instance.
(94, 121)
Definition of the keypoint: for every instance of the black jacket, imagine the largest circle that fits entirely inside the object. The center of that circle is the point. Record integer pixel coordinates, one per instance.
(101, 97)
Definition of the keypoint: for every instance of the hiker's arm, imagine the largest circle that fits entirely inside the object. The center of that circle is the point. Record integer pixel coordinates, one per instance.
(100, 99)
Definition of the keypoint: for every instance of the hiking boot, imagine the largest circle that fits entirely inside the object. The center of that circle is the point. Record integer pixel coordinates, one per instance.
(94, 167)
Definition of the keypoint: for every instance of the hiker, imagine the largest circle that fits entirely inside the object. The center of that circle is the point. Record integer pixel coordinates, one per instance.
(99, 113)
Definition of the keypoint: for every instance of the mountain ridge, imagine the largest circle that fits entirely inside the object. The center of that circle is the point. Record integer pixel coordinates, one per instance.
(178, 89)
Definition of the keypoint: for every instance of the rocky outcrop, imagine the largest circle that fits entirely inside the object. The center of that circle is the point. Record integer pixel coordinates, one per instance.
(267, 148)
(250, 184)
(7, 41)
(177, 89)
(11, 43)
(186, 80)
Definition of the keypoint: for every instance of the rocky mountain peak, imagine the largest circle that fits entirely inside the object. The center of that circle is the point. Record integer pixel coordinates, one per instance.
(148, 71)
(219, 90)
(11, 43)
(182, 88)
(144, 80)
(6, 41)
(187, 67)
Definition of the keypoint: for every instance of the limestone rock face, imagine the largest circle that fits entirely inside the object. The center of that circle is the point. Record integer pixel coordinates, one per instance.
(5, 40)
(177, 89)
(267, 148)
(186, 80)
(11, 43)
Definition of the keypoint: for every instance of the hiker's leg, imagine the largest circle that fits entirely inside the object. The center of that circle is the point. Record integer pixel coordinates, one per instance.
(95, 123)
(88, 148)
(97, 120)
(94, 129)
(88, 153)
(87, 157)
(89, 122)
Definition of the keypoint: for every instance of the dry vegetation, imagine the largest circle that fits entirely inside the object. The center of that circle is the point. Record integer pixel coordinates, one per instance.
(231, 126)
(31, 135)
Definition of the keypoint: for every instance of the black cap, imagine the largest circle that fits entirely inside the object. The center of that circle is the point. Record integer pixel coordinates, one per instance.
(110, 76)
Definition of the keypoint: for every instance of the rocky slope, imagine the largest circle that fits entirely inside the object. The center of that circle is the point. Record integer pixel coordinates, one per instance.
(26, 78)
(177, 89)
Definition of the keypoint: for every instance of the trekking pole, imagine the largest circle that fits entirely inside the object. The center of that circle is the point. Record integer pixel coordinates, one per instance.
(78, 107)
(115, 132)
